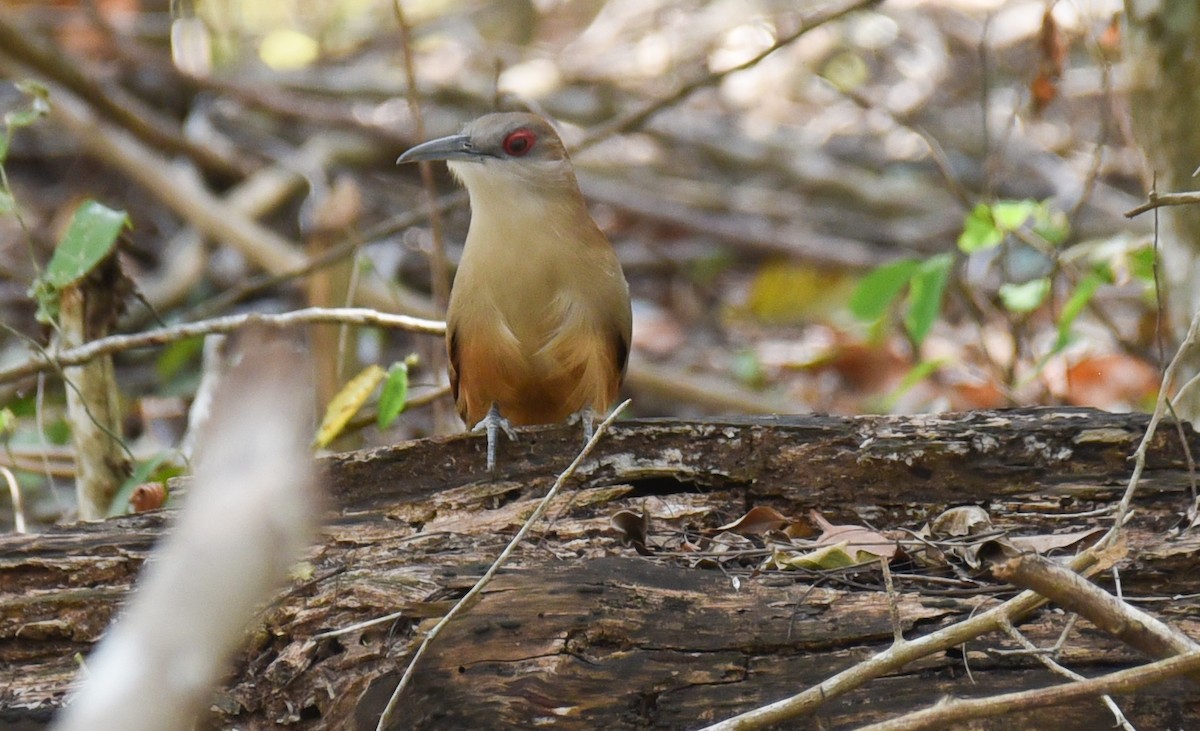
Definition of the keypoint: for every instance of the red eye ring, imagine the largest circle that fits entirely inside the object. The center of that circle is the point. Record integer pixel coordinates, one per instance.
(519, 142)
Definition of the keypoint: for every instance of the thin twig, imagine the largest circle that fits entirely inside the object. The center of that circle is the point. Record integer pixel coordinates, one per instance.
(18, 506)
(1043, 657)
(893, 605)
(1160, 408)
(439, 271)
(313, 315)
(893, 658)
(1158, 200)
(639, 116)
(360, 625)
(1125, 681)
(487, 577)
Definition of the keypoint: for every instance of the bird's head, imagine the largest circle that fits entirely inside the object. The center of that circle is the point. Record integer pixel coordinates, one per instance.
(513, 152)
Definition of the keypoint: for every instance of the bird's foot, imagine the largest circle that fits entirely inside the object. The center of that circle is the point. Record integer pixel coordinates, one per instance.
(587, 417)
(492, 424)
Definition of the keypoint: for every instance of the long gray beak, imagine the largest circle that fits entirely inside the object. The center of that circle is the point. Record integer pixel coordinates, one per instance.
(454, 147)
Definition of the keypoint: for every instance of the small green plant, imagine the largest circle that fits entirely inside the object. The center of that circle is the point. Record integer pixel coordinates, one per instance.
(37, 108)
(353, 396)
(89, 240)
(394, 396)
(915, 288)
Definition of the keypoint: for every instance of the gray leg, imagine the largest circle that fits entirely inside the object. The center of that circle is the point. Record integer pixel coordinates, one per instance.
(492, 424)
(587, 417)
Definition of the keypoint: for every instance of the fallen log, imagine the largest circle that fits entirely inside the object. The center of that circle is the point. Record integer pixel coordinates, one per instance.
(584, 632)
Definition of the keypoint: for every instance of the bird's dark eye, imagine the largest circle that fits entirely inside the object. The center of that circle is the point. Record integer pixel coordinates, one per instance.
(517, 143)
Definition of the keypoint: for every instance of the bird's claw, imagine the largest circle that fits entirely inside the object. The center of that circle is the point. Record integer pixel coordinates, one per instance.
(492, 424)
(587, 417)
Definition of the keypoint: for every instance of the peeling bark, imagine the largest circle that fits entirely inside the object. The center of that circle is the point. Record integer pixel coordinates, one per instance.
(584, 633)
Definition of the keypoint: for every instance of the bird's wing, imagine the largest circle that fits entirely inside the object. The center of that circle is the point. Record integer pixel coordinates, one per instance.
(452, 351)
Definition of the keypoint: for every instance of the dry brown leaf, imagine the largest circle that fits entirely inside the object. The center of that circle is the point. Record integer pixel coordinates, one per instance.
(1111, 381)
(632, 529)
(1110, 40)
(1046, 543)
(730, 541)
(799, 529)
(757, 521)
(960, 522)
(1053, 54)
(1043, 90)
(860, 542)
(965, 520)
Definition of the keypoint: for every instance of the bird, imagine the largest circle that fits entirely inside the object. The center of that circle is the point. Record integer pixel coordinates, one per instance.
(539, 322)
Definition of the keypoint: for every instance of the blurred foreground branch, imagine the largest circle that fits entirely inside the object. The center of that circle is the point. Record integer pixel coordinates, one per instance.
(249, 515)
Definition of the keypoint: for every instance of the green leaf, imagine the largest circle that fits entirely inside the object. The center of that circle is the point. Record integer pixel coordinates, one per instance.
(876, 292)
(25, 406)
(919, 372)
(1012, 215)
(748, 369)
(89, 239)
(39, 105)
(1074, 305)
(1026, 296)
(1051, 225)
(8, 421)
(7, 204)
(979, 230)
(58, 432)
(1141, 264)
(141, 474)
(19, 118)
(925, 295)
(707, 268)
(176, 356)
(394, 397)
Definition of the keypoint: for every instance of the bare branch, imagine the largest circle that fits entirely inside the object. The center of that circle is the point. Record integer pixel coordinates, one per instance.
(229, 323)
(1043, 657)
(1158, 200)
(1073, 592)
(893, 658)
(1124, 681)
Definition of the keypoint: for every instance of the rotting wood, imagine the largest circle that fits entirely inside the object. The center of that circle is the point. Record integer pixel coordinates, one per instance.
(583, 633)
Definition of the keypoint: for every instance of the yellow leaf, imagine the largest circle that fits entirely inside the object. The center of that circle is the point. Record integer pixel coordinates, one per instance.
(346, 403)
(826, 557)
(287, 49)
(783, 292)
